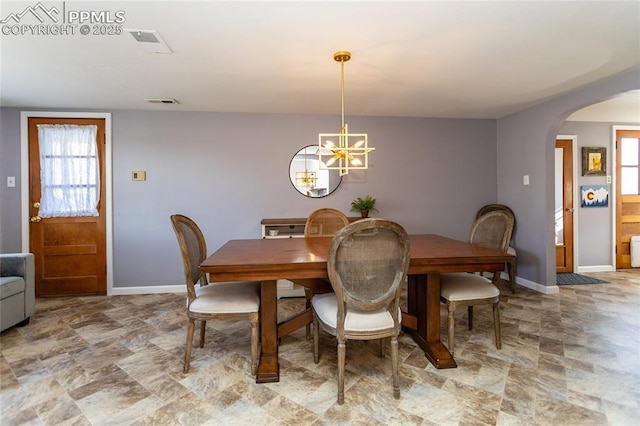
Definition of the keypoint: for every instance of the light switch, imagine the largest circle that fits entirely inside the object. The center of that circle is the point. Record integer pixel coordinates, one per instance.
(138, 175)
(11, 181)
(525, 180)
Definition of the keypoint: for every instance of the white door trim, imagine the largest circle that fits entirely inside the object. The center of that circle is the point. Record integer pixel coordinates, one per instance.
(24, 189)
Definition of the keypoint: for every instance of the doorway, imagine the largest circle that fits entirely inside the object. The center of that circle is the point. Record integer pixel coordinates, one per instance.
(627, 194)
(564, 210)
(73, 254)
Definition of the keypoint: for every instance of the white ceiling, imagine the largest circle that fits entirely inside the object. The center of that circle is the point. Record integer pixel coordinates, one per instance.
(621, 109)
(417, 59)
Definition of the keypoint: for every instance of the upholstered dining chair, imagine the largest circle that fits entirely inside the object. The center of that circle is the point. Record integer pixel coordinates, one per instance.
(207, 301)
(512, 265)
(367, 264)
(323, 222)
(491, 230)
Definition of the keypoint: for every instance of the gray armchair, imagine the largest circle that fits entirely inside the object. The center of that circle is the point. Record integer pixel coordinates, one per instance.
(17, 289)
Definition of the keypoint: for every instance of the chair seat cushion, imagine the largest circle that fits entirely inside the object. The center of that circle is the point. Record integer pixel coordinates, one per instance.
(10, 286)
(462, 286)
(229, 297)
(326, 308)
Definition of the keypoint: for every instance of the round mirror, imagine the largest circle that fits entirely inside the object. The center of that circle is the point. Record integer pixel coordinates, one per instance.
(308, 178)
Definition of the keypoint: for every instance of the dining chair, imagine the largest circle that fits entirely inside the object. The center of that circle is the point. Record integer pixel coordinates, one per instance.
(367, 265)
(323, 222)
(492, 230)
(511, 265)
(234, 301)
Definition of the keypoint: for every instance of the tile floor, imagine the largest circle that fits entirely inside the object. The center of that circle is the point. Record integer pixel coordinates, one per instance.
(566, 359)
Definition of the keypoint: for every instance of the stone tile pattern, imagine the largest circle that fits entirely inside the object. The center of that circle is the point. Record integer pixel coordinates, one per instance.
(567, 359)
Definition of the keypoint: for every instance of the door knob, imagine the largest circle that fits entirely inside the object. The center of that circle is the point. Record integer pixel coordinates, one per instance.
(36, 204)
(35, 219)
(569, 210)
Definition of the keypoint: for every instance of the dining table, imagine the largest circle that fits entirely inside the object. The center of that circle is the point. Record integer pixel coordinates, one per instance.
(305, 261)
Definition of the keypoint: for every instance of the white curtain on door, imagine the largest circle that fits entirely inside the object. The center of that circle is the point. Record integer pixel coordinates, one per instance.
(69, 170)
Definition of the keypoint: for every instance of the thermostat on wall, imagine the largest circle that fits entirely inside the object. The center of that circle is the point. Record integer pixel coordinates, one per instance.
(139, 175)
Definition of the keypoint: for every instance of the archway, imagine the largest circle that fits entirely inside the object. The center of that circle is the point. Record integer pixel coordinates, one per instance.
(526, 146)
(594, 126)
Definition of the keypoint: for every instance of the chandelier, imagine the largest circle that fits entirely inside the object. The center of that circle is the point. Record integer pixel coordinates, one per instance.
(343, 155)
(306, 179)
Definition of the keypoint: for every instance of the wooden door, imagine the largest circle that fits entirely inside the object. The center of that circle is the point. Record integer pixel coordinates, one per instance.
(564, 212)
(70, 252)
(627, 194)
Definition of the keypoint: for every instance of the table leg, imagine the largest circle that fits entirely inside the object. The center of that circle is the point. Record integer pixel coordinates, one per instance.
(268, 366)
(424, 302)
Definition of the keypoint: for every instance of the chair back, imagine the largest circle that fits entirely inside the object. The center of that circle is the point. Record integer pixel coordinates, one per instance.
(367, 263)
(493, 207)
(193, 249)
(493, 230)
(325, 222)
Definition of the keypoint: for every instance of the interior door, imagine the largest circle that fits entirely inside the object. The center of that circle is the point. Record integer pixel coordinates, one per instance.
(627, 194)
(564, 205)
(70, 252)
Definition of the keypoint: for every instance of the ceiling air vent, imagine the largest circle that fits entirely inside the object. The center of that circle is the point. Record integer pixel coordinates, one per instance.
(150, 40)
(162, 101)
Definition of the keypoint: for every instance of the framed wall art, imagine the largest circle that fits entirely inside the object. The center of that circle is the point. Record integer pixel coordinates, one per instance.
(594, 161)
(595, 195)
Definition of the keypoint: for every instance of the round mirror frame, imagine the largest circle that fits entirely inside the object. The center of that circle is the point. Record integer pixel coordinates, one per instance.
(321, 182)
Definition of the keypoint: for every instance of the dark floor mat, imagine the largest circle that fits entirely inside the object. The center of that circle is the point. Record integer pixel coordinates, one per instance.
(575, 279)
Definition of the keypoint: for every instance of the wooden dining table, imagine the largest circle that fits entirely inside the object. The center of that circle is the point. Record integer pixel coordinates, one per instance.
(305, 260)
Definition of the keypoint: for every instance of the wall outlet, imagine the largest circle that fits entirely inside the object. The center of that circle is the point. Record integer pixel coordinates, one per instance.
(609, 179)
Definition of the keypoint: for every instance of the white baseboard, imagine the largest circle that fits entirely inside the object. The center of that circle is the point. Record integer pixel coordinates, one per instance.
(544, 289)
(120, 291)
(554, 289)
(596, 268)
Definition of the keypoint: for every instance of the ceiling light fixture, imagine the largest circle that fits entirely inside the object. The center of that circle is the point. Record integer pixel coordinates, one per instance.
(344, 157)
(306, 179)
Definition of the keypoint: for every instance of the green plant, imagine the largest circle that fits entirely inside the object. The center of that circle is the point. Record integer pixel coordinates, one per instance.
(366, 203)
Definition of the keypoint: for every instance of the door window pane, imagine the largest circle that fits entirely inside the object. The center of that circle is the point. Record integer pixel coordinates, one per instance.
(629, 152)
(629, 162)
(629, 178)
(69, 175)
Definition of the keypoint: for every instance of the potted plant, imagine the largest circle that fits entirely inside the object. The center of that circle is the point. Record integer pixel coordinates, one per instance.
(364, 205)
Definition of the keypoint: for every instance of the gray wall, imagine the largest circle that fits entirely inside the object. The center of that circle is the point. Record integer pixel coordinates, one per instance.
(526, 143)
(228, 171)
(10, 239)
